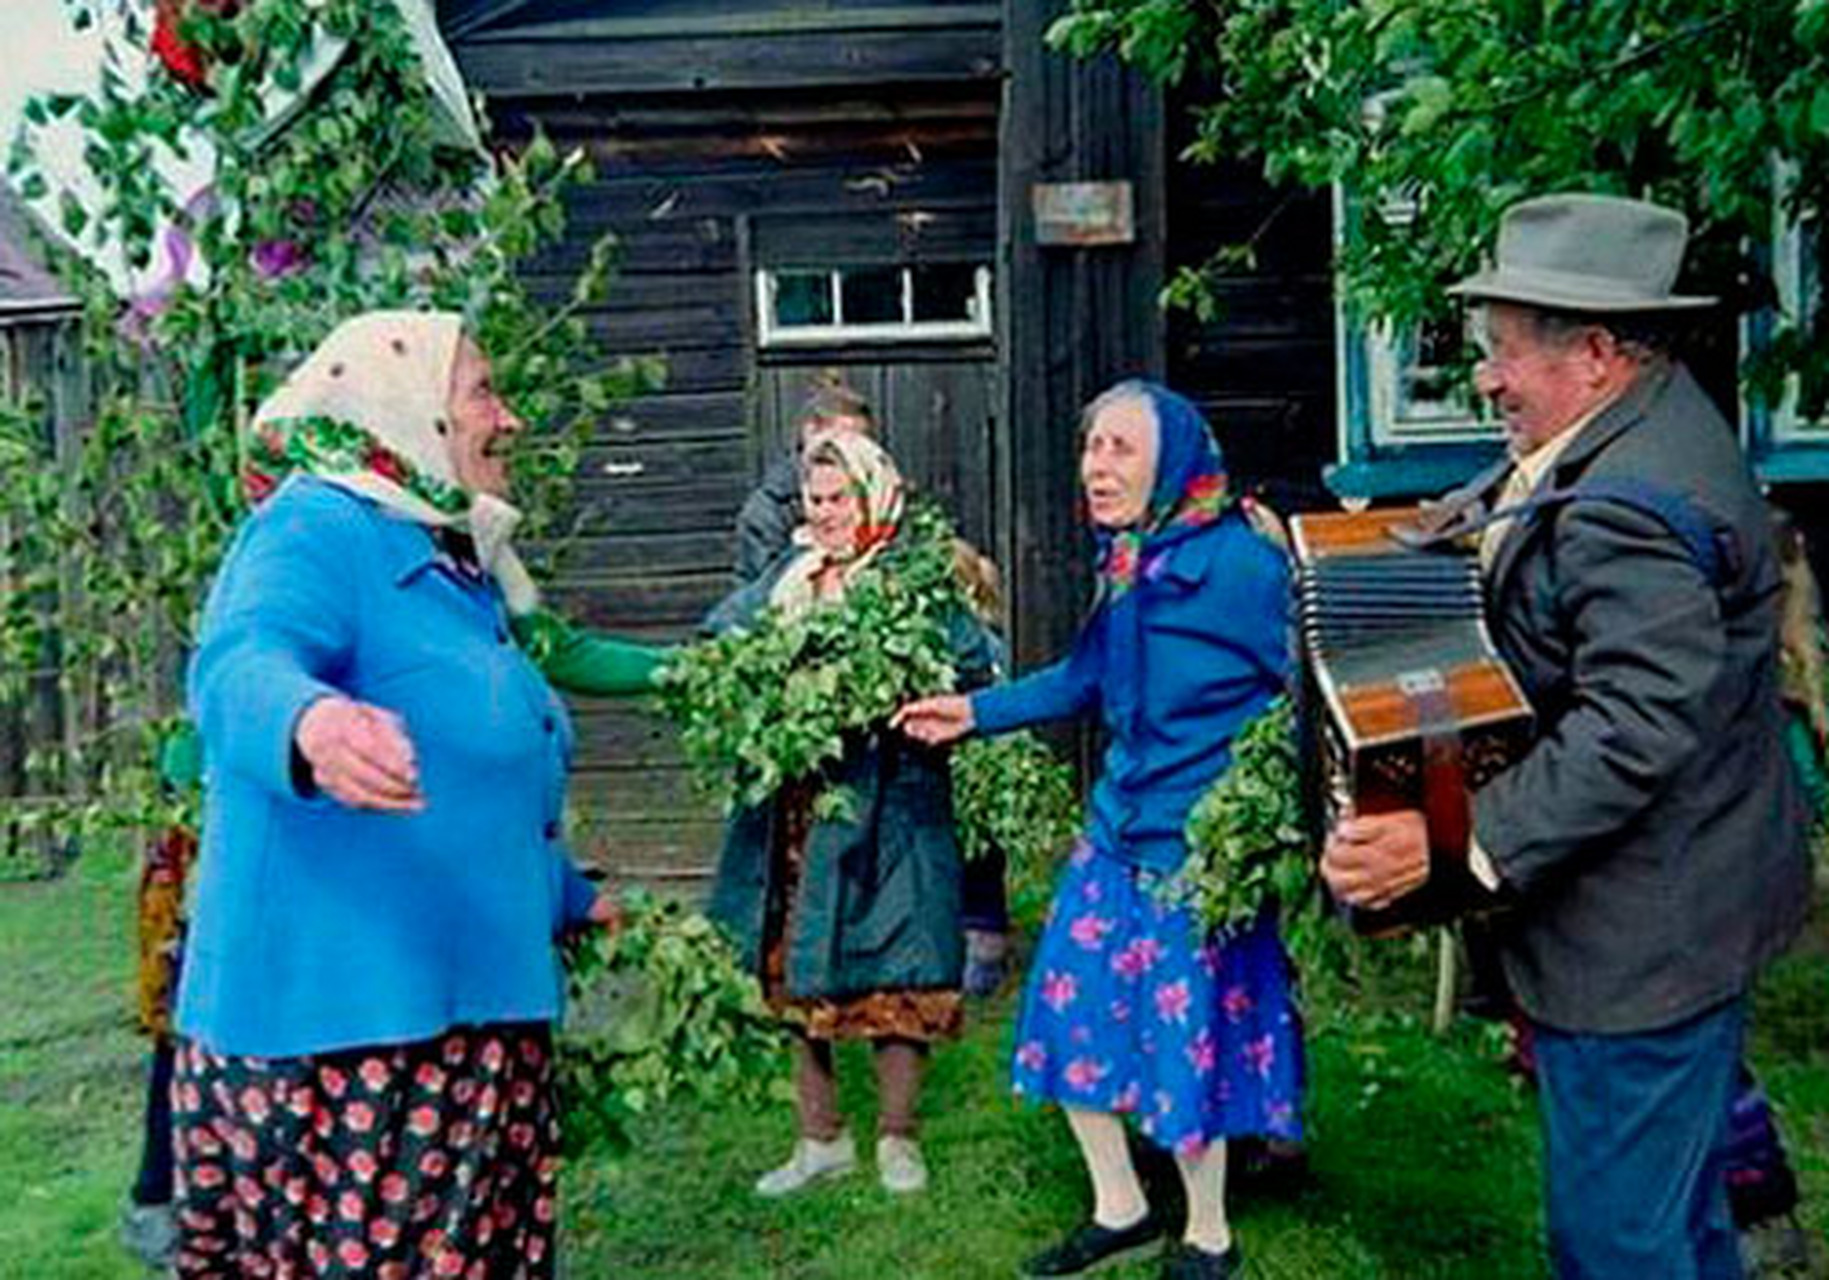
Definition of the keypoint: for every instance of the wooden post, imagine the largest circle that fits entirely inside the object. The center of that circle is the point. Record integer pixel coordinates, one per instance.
(1446, 979)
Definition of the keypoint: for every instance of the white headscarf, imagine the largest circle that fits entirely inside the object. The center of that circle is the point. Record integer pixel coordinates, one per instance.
(878, 487)
(387, 375)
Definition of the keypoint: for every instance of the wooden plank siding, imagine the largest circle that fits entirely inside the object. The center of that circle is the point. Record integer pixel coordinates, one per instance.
(666, 46)
(1263, 368)
(1077, 319)
(716, 147)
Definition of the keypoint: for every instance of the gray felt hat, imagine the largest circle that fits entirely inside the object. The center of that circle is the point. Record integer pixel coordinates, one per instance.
(1586, 253)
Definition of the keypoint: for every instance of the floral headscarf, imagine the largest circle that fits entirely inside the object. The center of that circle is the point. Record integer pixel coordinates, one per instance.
(878, 486)
(367, 411)
(1189, 491)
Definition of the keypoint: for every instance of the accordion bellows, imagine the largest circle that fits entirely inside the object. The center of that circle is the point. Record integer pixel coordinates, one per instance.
(1410, 705)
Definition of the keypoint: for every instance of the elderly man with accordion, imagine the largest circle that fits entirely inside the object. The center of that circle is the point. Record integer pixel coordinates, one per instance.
(1643, 831)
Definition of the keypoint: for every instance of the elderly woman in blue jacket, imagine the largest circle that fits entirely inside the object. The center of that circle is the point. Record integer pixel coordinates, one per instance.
(364, 1078)
(1132, 1009)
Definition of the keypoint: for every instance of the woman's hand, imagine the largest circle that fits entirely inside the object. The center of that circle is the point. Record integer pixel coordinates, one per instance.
(936, 721)
(359, 755)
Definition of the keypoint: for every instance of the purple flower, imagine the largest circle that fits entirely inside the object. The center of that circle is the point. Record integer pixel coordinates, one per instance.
(276, 259)
(1089, 931)
(1260, 1055)
(1092, 891)
(1082, 853)
(1237, 1002)
(1120, 1011)
(1059, 990)
(1128, 1099)
(1280, 1116)
(1032, 1056)
(1083, 1074)
(1172, 1001)
(1190, 1147)
(1081, 1034)
(1202, 1054)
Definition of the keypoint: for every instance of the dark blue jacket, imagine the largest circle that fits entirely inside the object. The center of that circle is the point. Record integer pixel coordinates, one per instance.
(1214, 651)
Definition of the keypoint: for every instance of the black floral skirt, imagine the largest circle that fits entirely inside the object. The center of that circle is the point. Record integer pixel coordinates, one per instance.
(438, 1158)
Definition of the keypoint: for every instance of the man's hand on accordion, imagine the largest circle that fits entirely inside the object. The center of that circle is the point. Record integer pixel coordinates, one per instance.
(1372, 860)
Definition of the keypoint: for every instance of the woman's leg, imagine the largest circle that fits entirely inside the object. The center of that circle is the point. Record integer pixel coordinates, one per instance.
(899, 1065)
(1118, 1199)
(816, 1090)
(1204, 1177)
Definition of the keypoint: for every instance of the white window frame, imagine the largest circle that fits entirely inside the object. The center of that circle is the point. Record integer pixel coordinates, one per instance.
(1381, 361)
(1792, 248)
(772, 334)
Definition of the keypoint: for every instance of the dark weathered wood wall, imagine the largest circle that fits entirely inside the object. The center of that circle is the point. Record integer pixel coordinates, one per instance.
(1263, 368)
(702, 180)
(1077, 319)
(734, 134)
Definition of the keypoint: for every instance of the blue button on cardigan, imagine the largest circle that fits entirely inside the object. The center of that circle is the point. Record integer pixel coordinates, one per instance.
(317, 927)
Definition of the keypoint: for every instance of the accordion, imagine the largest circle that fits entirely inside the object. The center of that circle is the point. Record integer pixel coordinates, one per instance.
(1406, 702)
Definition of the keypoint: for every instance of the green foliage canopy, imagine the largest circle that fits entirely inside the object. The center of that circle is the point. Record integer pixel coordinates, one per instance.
(109, 534)
(1440, 113)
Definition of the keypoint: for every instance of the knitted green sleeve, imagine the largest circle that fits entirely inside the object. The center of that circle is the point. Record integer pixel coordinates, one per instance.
(579, 660)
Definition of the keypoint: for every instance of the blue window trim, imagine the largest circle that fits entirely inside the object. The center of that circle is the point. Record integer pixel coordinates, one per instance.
(1374, 468)
(1776, 460)
(1373, 464)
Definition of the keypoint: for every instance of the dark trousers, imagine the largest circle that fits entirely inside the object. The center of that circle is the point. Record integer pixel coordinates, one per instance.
(1635, 1138)
(154, 1183)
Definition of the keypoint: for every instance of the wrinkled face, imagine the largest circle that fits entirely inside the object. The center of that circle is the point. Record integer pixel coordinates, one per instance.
(482, 429)
(1538, 386)
(1118, 463)
(834, 511)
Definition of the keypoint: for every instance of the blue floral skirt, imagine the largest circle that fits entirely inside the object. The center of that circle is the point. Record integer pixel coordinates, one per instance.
(1130, 1010)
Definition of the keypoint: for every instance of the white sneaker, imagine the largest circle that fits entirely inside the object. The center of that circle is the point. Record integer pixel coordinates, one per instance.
(899, 1165)
(811, 1161)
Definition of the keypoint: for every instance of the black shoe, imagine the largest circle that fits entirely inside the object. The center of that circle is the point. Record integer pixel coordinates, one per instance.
(1185, 1262)
(1092, 1248)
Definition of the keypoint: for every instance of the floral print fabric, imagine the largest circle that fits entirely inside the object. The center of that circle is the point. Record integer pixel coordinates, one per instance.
(1130, 1011)
(438, 1158)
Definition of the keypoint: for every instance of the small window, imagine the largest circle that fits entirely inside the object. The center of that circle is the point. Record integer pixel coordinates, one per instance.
(1407, 421)
(1784, 441)
(932, 302)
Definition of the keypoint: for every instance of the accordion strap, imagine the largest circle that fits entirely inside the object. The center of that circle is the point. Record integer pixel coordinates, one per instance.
(1444, 789)
(1709, 546)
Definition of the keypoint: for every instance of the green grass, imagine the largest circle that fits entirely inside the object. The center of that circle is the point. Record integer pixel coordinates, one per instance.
(1424, 1150)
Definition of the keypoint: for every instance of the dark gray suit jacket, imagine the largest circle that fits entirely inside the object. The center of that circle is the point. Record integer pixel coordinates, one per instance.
(1654, 833)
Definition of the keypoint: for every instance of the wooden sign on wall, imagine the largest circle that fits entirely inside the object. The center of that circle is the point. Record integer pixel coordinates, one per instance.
(1083, 213)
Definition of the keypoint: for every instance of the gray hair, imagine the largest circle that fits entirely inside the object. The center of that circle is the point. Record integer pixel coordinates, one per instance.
(1642, 337)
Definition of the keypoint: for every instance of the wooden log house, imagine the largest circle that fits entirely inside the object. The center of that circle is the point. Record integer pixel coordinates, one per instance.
(892, 189)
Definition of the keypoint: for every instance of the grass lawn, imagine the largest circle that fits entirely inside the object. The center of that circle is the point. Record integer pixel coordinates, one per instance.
(1423, 1149)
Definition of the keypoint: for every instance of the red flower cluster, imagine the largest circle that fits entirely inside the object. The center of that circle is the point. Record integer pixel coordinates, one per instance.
(385, 463)
(183, 59)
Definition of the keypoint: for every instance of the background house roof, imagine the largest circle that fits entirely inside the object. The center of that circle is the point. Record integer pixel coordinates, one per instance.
(26, 285)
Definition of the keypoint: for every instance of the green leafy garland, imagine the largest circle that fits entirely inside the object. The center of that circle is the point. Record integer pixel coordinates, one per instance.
(1248, 843)
(328, 446)
(109, 533)
(772, 702)
(1012, 794)
(660, 1009)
